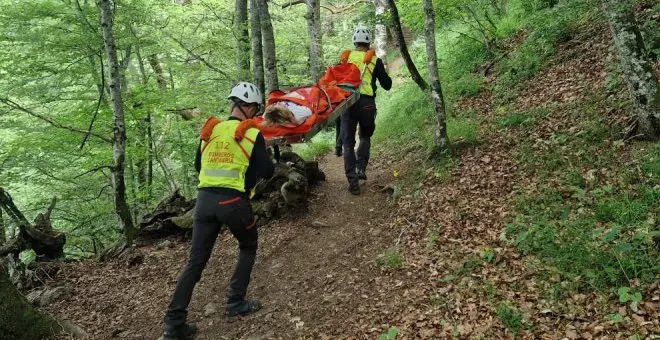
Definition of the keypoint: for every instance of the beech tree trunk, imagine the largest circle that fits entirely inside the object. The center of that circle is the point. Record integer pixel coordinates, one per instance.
(272, 82)
(313, 17)
(380, 39)
(637, 67)
(18, 319)
(119, 141)
(242, 39)
(436, 87)
(398, 34)
(257, 51)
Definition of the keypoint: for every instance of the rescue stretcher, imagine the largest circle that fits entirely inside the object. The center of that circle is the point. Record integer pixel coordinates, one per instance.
(336, 111)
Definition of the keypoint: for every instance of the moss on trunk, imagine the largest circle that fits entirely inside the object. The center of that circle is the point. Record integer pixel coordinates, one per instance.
(18, 319)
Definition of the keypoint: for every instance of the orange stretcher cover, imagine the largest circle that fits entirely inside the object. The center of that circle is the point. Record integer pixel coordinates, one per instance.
(321, 98)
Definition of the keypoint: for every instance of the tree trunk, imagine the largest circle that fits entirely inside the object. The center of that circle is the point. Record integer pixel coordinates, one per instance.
(398, 34)
(257, 51)
(3, 237)
(119, 142)
(41, 237)
(436, 87)
(18, 319)
(154, 62)
(637, 67)
(380, 39)
(144, 127)
(242, 40)
(268, 47)
(313, 17)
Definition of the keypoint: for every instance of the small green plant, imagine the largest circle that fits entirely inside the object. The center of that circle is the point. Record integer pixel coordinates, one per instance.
(27, 256)
(320, 145)
(514, 119)
(431, 238)
(464, 129)
(467, 85)
(511, 318)
(626, 295)
(391, 334)
(391, 258)
(615, 318)
(488, 254)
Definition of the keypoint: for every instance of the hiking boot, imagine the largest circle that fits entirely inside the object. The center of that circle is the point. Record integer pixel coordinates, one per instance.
(182, 332)
(361, 174)
(339, 152)
(354, 187)
(243, 309)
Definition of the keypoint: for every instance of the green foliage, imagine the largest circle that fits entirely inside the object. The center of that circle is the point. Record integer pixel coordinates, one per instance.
(615, 318)
(545, 28)
(321, 144)
(510, 317)
(650, 27)
(593, 217)
(488, 254)
(391, 258)
(515, 119)
(626, 295)
(391, 334)
(467, 86)
(27, 256)
(54, 68)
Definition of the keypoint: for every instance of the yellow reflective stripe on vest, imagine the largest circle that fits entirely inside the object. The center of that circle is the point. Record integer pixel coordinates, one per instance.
(224, 160)
(357, 58)
(221, 173)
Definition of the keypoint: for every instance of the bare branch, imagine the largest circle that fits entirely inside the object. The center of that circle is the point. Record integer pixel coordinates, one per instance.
(95, 170)
(18, 107)
(197, 56)
(98, 106)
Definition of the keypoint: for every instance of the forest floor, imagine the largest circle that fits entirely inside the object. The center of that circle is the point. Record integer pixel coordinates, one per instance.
(432, 263)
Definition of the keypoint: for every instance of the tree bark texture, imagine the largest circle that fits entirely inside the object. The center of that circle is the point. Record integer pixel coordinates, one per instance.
(436, 87)
(380, 39)
(257, 50)
(268, 37)
(18, 319)
(154, 62)
(242, 40)
(398, 34)
(636, 65)
(3, 237)
(119, 142)
(313, 17)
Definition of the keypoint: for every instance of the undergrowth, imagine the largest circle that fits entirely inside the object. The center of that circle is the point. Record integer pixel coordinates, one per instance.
(321, 144)
(592, 215)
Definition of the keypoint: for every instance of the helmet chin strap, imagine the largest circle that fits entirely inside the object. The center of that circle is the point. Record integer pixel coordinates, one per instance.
(240, 108)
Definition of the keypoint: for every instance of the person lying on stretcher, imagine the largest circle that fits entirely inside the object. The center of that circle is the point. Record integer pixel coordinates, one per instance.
(307, 105)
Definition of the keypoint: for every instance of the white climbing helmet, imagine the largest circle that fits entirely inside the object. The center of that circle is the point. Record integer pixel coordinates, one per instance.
(246, 92)
(361, 35)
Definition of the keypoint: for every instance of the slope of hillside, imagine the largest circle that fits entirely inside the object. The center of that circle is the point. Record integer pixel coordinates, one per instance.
(539, 222)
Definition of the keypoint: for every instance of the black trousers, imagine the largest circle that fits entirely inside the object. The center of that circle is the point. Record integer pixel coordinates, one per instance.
(213, 210)
(363, 115)
(338, 136)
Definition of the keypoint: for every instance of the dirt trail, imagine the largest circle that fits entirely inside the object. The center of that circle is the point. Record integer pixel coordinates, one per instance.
(305, 266)
(304, 276)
